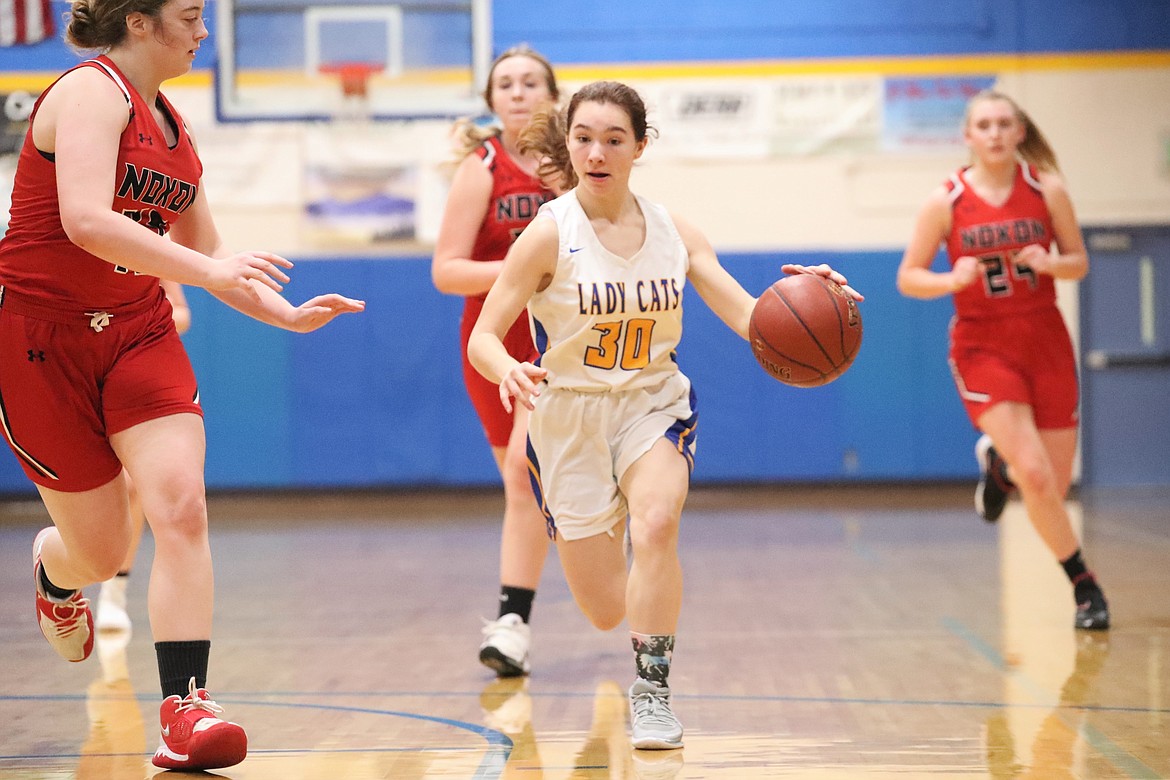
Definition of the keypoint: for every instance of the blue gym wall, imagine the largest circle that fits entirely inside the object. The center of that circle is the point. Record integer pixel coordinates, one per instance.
(377, 399)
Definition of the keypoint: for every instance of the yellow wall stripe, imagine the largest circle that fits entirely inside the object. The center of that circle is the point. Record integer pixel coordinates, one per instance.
(884, 66)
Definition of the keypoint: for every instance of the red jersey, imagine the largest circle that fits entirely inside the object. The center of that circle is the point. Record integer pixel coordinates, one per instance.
(516, 195)
(994, 234)
(154, 185)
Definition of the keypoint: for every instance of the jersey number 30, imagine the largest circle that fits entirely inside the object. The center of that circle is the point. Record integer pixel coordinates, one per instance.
(631, 344)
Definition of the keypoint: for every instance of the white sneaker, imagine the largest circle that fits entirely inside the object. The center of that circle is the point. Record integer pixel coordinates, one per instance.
(111, 608)
(653, 724)
(505, 646)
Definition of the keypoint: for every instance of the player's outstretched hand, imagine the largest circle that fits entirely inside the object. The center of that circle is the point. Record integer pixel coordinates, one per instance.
(318, 311)
(240, 270)
(826, 271)
(522, 382)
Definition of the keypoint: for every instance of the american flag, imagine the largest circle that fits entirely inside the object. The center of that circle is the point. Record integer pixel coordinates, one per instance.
(25, 21)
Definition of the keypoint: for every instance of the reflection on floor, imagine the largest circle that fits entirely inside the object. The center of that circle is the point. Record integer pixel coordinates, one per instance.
(826, 633)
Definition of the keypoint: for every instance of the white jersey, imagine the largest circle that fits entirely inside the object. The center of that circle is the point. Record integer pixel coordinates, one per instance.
(605, 323)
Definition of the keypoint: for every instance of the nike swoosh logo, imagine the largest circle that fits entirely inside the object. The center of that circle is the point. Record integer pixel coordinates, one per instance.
(166, 732)
(578, 249)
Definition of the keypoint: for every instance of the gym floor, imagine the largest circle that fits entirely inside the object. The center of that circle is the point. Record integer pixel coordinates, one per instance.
(827, 632)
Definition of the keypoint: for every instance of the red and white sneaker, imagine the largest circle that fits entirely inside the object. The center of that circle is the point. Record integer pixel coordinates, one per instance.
(68, 623)
(194, 737)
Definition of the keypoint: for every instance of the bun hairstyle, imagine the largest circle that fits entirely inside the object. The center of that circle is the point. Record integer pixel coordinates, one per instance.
(98, 25)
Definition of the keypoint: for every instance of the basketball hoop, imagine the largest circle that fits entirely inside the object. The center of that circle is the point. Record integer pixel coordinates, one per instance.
(354, 77)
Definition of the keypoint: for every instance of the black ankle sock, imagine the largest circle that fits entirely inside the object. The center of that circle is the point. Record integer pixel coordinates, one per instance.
(517, 601)
(1074, 566)
(50, 589)
(1079, 575)
(178, 662)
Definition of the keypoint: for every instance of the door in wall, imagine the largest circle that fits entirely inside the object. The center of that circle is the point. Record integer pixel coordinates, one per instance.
(1125, 357)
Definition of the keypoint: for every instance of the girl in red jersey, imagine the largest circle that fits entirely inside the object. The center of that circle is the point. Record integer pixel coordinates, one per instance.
(494, 195)
(94, 380)
(1010, 231)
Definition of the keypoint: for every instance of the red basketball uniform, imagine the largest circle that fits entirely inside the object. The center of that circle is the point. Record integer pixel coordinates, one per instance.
(1008, 339)
(515, 197)
(88, 348)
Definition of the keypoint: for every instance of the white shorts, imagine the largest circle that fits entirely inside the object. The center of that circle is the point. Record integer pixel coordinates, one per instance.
(580, 445)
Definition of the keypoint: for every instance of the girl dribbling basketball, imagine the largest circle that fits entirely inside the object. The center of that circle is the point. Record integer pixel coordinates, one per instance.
(612, 424)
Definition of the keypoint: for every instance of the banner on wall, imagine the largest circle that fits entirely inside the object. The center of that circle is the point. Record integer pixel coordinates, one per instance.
(793, 116)
(713, 118)
(827, 114)
(926, 114)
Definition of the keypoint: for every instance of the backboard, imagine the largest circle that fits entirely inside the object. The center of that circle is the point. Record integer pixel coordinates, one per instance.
(291, 59)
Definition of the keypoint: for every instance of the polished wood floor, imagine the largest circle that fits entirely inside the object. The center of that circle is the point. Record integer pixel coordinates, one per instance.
(826, 633)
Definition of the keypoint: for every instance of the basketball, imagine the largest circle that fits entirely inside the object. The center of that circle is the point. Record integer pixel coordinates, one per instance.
(805, 330)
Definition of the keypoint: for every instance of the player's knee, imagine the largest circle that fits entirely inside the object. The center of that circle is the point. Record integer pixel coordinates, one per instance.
(1033, 476)
(654, 530)
(516, 477)
(183, 518)
(606, 618)
(98, 564)
(604, 610)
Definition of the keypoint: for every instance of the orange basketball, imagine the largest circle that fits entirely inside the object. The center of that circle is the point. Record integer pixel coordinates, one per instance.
(805, 330)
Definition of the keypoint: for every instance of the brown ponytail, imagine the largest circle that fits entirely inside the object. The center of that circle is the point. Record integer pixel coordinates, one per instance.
(545, 139)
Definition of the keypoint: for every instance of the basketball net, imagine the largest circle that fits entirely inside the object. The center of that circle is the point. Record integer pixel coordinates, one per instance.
(354, 81)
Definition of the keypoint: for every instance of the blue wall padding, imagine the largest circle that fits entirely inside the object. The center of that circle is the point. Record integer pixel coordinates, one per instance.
(377, 399)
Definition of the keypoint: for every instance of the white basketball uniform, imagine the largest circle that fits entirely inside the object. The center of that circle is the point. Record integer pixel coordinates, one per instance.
(606, 329)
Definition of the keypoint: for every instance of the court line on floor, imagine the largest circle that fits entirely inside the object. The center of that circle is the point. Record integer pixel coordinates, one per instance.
(499, 745)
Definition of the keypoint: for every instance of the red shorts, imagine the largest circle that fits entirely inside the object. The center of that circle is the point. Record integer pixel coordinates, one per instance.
(65, 387)
(1028, 359)
(484, 394)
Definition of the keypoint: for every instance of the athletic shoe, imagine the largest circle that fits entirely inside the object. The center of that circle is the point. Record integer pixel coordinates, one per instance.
(194, 737)
(653, 724)
(66, 623)
(505, 646)
(1093, 611)
(111, 609)
(994, 488)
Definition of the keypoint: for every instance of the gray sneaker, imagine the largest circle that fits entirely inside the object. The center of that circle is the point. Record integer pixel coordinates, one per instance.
(654, 726)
